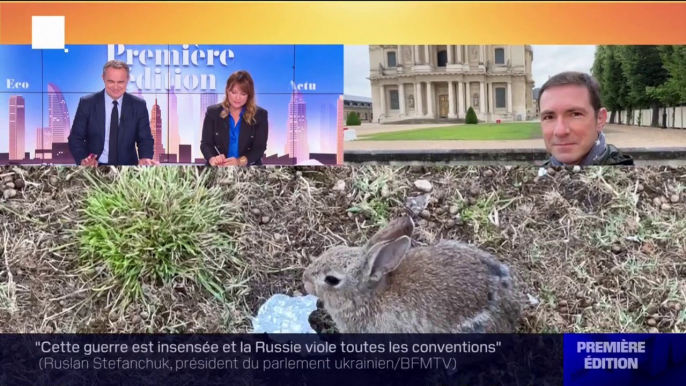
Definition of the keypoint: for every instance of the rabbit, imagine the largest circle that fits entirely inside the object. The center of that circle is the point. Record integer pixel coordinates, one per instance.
(386, 286)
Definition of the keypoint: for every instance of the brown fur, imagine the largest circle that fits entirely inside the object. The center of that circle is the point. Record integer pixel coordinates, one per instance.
(449, 287)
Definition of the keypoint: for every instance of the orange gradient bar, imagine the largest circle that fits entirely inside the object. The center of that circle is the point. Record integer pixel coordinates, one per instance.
(354, 23)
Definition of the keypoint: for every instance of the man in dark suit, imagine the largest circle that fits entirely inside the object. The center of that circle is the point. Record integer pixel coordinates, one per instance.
(110, 124)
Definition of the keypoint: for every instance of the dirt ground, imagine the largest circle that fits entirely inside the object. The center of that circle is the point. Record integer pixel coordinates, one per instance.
(596, 250)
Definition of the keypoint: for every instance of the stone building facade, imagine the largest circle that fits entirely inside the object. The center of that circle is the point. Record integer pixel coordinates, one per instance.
(441, 82)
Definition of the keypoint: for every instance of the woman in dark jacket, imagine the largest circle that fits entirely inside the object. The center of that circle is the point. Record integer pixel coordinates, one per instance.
(235, 131)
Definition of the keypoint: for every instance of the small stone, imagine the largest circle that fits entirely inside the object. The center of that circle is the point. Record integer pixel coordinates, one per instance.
(551, 171)
(653, 330)
(440, 211)
(665, 206)
(351, 215)
(580, 294)
(656, 316)
(651, 322)
(576, 169)
(385, 191)
(256, 211)
(416, 169)
(488, 173)
(474, 191)
(471, 201)
(450, 224)
(677, 306)
(298, 174)
(423, 223)
(453, 210)
(417, 204)
(616, 248)
(657, 201)
(19, 183)
(48, 330)
(225, 181)
(340, 186)
(54, 180)
(265, 219)
(10, 185)
(426, 214)
(63, 302)
(562, 303)
(277, 237)
(9, 193)
(564, 310)
(423, 185)
(297, 293)
(144, 315)
(674, 199)
(20, 272)
(639, 188)
(113, 316)
(136, 319)
(615, 270)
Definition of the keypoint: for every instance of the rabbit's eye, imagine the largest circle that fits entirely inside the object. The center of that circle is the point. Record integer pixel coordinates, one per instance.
(331, 280)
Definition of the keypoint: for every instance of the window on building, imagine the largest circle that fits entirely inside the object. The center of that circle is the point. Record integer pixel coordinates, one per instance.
(442, 58)
(500, 102)
(392, 62)
(395, 100)
(499, 56)
(365, 116)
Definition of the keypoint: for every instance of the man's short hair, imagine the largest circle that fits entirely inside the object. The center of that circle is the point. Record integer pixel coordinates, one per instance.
(578, 79)
(118, 64)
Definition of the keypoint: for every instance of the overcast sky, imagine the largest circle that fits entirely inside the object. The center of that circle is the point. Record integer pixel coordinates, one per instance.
(548, 61)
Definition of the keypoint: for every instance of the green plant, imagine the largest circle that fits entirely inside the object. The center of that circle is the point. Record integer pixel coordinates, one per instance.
(154, 225)
(353, 119)
(471, 118)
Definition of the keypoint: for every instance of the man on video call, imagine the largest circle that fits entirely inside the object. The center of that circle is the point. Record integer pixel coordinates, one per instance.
(572, 121)
(109, 124)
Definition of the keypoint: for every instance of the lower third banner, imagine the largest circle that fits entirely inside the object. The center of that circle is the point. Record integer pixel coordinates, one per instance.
(258, 359)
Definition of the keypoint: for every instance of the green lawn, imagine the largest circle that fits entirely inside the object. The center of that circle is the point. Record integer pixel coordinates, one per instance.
(480, 132)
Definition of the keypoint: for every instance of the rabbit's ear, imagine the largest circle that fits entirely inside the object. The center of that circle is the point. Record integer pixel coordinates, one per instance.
(386, 257)
(403, 226)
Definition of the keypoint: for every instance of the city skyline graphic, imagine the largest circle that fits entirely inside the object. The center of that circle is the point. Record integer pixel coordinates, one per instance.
(177, 114)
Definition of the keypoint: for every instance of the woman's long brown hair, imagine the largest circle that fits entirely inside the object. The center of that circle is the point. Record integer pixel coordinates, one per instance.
(244, 81)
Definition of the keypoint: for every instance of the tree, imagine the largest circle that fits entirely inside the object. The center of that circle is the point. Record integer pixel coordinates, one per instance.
(607, 70)
(669, 95)
(643, 68)
(673, 92)
(471, 118)
(598, 69)
(674, 60)
(614, 83)
(353, 119)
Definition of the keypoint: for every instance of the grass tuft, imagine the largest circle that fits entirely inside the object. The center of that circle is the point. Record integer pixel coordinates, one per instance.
(154, 225)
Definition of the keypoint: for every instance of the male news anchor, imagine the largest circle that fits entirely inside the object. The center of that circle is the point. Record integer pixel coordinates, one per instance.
(109, 124)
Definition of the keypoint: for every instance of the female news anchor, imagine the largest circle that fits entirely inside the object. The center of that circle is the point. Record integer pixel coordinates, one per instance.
(235, 131)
